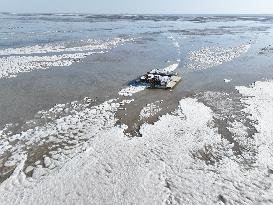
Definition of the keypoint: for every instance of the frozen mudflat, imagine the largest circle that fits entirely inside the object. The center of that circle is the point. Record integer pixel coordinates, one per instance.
(75, 128)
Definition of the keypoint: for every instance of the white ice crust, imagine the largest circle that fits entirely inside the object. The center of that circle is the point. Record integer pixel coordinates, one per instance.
(213, 56)
(132, 89)
(26, 59)
(180, 159)
(150, 110)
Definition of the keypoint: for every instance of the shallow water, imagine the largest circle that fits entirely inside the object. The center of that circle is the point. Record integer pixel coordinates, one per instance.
(158, 41)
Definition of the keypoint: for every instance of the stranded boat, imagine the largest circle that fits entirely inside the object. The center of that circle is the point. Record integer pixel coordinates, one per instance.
(160, 79)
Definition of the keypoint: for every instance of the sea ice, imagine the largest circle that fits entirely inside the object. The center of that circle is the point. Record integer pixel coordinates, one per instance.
(132, 89)
(181, 158)
(212, 56)
(150, 110)
(19, 60)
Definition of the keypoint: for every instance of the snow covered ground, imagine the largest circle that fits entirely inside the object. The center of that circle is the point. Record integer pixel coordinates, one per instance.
(180, 159)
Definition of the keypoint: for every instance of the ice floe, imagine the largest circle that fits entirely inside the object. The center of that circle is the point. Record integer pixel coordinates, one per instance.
(132, 89)
(86, 46)
(150, 110)
(12, 65)
(18, 60)
(212, 56)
